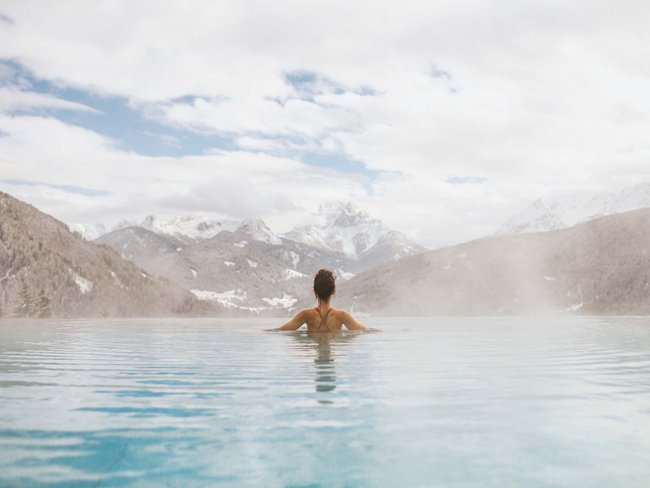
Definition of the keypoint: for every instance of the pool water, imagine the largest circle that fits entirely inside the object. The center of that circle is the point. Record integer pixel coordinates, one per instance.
(462, 402)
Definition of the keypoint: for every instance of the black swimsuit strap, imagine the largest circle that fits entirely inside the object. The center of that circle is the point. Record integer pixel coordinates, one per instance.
(323, 319)
(321, 315)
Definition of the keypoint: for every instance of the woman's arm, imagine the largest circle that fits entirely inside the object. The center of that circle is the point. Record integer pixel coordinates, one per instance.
(294, 323)
(350, 322)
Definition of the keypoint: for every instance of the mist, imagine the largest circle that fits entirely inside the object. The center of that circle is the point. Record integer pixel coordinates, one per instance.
(599, 267)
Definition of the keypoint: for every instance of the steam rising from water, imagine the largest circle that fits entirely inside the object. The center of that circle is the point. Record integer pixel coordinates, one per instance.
(602, 267)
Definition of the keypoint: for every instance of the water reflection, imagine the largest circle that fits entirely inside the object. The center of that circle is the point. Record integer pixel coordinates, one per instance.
(322, 344)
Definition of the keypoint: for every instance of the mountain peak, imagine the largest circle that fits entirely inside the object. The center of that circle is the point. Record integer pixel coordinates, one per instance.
(343, 214)
(554, 212)
(194, 226)
(338, 206)
(345, 228)
(257, 230)
(149, 221)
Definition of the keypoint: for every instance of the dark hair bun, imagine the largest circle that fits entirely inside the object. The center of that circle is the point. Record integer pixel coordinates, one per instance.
(324, 284)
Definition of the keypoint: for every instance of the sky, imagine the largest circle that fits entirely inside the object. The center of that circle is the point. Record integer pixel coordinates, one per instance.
(442, 118)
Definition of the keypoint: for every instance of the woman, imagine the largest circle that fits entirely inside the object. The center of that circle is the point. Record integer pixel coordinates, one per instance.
(323, 318)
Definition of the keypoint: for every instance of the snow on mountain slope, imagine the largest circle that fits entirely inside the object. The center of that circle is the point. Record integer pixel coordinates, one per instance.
(274, 270)
(137, 243)
(343, 227)
(559, 212)
(194, 226)
(338, 227)
(188, 228)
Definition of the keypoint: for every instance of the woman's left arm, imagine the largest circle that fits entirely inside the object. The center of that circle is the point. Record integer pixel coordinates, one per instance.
(294, 324)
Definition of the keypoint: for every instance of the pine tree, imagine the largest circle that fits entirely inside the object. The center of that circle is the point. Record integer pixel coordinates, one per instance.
(25, 305)
(42, 306)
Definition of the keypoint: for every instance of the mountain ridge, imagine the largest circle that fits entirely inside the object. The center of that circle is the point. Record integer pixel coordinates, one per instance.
(340, 227)
(277, 267)
(563, 211)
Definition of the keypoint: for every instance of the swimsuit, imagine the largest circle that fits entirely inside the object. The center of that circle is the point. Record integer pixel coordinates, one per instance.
(322, 319)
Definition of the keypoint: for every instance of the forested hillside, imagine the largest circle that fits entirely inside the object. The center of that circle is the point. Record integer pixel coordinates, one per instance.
(46, 270)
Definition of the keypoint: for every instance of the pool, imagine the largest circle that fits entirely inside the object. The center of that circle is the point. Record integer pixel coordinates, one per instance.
(560, 401)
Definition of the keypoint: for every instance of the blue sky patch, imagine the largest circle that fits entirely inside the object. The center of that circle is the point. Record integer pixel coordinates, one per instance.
(134, 131)
(436, 72)
(309, 84)
(120, 121)
(87, 192)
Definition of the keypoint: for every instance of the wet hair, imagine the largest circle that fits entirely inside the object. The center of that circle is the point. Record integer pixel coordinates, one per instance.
(324, 284)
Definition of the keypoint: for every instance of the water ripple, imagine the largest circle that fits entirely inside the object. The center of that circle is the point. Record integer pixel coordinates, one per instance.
(464, 402)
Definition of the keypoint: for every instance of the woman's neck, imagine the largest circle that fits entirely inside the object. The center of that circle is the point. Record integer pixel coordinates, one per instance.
(323, 305)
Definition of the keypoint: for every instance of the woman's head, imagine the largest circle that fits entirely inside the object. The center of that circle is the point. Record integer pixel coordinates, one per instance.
(324, 284)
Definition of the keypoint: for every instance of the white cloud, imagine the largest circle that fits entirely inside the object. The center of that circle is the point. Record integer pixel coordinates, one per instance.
(293, 117)
(16, 99)
(534, 98)
(238, 184)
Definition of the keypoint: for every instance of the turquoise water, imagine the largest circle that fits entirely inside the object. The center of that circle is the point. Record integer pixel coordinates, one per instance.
(426, 402)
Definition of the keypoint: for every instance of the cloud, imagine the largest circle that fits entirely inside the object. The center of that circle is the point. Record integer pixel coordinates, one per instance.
(13, 99)
(463, 180)
(462, 112)
(89, 192)
(308, 84)
(293, 117)
(85, 177)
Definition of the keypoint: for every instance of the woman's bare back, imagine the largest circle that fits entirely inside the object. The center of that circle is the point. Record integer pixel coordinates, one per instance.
(322, 320)
(330, 321)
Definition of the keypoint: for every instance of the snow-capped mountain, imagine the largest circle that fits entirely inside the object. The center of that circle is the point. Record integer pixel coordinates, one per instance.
(559, 212)
(250, 268)
(138, 244)
(338, 227)
(344, 227)
(187, 228)
(194, 226)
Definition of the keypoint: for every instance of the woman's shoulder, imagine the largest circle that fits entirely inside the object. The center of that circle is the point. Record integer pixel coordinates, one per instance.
(314, 311)
(306, 312)
(338, 312)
